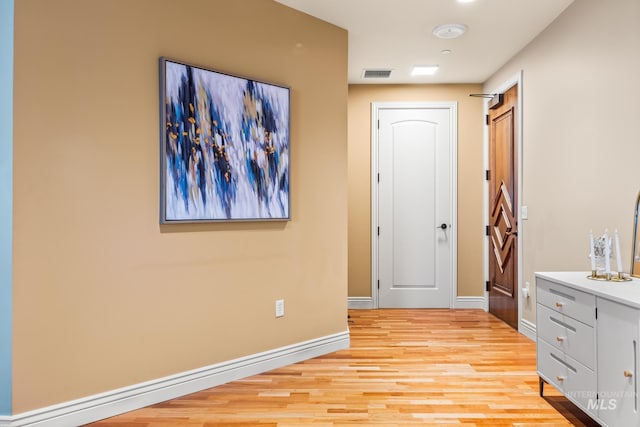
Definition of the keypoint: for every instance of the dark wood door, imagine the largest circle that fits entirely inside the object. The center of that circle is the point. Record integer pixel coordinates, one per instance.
(503, 202)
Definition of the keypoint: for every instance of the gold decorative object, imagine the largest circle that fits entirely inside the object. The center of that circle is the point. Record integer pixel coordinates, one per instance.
(618, 277)
(635, 253)
(600, 253)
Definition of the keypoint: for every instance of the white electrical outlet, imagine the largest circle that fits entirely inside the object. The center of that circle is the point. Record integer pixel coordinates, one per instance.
(279, 308)
(525, 290)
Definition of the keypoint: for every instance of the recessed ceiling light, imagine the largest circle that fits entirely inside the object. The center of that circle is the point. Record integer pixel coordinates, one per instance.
(466, 1)
(424, 70)
(446, 51)
(449, 31)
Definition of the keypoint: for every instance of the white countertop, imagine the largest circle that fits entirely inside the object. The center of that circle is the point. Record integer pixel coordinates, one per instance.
(627, 293)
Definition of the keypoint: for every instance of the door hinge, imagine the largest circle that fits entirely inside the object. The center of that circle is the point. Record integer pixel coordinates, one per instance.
(486, 230)
(378, 284)
(486, 175)
(378, 230)
(486, 119)
(378, 177)
(487, 285)
(596, 313)
(379, 124)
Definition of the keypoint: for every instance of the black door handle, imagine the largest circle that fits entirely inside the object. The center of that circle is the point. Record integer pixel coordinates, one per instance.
(443, 226)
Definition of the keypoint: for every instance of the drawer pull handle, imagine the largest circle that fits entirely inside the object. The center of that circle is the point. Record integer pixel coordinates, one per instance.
(559, 339)
(560, 378)
(628, 374)
(559, 304)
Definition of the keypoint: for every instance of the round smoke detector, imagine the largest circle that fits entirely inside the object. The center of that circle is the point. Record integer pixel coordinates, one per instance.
(449, 31)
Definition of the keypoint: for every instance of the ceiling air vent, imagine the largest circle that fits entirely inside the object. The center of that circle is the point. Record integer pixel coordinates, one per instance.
(376, 74)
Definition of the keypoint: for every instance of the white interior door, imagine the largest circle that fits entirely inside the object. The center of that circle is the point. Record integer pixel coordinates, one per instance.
(414, 208)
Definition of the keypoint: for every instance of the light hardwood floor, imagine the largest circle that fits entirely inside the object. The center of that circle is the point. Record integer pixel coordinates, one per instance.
(404, 367)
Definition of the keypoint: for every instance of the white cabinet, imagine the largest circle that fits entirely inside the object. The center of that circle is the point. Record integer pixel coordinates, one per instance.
(617, 363)
(566, 339)
(588, 333)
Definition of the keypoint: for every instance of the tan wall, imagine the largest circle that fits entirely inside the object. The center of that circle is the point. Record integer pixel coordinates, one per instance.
(470, 204)
(581, 126)
(104, 296)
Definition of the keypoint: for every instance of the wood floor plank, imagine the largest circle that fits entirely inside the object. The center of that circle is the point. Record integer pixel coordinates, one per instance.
(404, 367)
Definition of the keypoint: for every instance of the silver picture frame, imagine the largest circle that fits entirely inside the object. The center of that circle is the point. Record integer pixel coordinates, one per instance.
(224, 146)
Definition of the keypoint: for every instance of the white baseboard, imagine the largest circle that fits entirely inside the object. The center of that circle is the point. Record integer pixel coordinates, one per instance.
(105, 405)
(360, 303)
(527, 329)
(366, 303)
(469, 302)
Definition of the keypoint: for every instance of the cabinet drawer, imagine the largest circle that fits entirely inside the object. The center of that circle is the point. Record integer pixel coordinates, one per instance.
(567, 375)
(563, 299)
(567, 335)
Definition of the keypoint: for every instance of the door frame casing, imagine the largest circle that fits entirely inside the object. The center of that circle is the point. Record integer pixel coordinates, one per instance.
(503, 87)
(453, 188)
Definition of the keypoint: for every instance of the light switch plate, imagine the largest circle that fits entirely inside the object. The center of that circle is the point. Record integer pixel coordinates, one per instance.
(280, 308)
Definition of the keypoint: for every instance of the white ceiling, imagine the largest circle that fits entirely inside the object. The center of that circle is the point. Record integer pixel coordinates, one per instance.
(396, 35)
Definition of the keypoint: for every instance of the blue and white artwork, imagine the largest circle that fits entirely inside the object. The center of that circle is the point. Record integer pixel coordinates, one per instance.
(225, 148)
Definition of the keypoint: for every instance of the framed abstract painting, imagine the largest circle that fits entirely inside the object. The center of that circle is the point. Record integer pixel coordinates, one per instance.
(224, 146)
